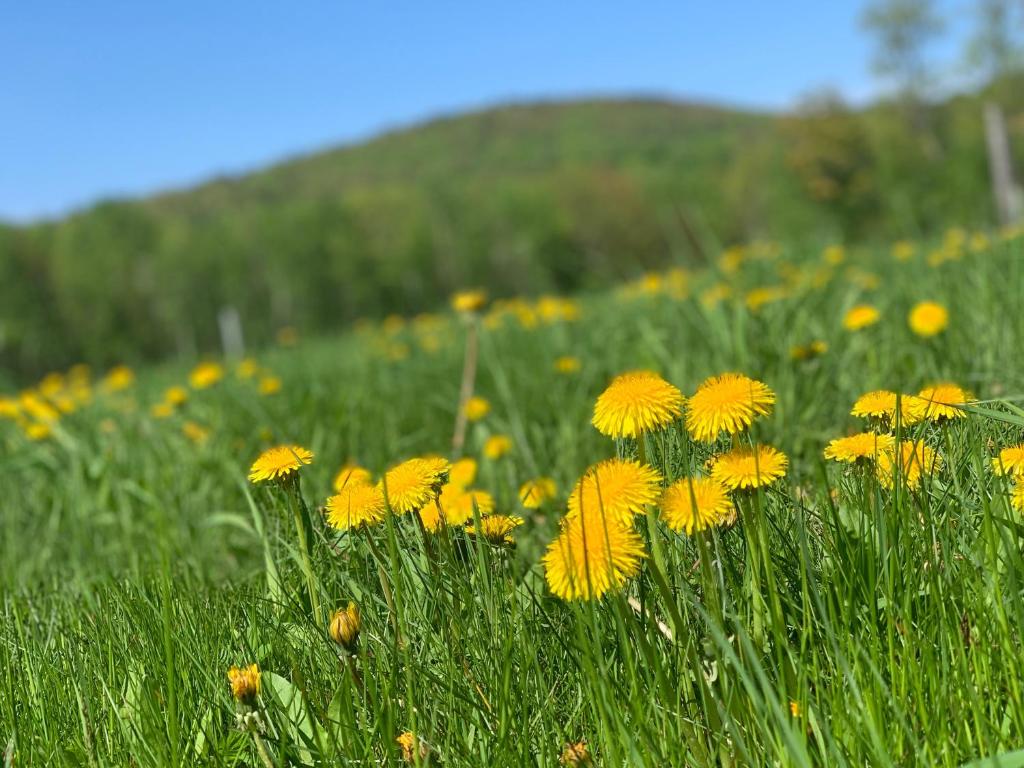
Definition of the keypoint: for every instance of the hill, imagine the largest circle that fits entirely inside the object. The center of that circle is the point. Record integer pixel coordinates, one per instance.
(522, 199)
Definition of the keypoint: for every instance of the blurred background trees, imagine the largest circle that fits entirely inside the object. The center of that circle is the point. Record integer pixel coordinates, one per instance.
(520, 199)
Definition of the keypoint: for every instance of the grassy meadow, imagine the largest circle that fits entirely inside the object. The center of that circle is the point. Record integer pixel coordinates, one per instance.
(863, 613)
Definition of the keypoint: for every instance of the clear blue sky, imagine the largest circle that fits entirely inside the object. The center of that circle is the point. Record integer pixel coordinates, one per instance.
(107, 98)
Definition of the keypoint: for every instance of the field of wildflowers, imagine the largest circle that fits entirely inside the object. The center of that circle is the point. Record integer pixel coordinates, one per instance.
(768, 512)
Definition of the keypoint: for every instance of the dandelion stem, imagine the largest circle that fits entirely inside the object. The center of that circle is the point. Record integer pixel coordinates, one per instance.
(752, 573)
(652, 524)
(385, 587)
(466, 388)
(261, 748)
(298, 507)
(712, 597)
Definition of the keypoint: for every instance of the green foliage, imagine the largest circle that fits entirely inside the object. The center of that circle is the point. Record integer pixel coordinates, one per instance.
(136, 566)
(904, 29)
(522, 200)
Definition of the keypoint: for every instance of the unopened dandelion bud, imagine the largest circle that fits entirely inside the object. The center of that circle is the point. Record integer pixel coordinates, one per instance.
(575, 754)
(469, 302)
(345, 626)
(412, 747)
(245, 683)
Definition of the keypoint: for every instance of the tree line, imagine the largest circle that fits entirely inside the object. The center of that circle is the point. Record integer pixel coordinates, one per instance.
(527, 199)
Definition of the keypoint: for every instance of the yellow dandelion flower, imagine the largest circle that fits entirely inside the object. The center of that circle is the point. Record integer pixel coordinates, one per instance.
(80, 393)
(636, 402)
(351, 474)
(588, 558)
(38, 430)
(1017, 495)
(245, 683)
(878, 404)
(944, 401)
(928, 318)
(247, 368)
(915, 460)
(865, 445)
(429, 343)
(860, 317)
(759, 297)
(356, 505)
(1010, 461)
(51, 384)
(175, 395)
(65, 403)
(476, 408)
(469, 301)
(279, 463)
(161, 410)
(345, 626)
(809, 351)
(197, 433)
(413, 484)
(794, 708)
(903, 250)
(533, 493)
(456, 507)
(558, 308)
(118, 378)
(677, 283)
(269, 385)
(834, 255)
(745, 468)
(497, 529)
(393, 324)
(497, 446)
(715, 295)
(9, 408)
(78, 374)
(462, 473)
(614, 490)
(526, 315)
(693, 504)
(912, 410)
(726, 403)
(413, 748)
(567, 364)
(205, 375)
(881, 405)
(38, 408)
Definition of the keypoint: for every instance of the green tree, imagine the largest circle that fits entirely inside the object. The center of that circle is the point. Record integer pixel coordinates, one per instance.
(903, 30)
(830, 152)
(995, 48)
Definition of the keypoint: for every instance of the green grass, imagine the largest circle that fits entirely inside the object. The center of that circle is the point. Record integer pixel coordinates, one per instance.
(137, 566)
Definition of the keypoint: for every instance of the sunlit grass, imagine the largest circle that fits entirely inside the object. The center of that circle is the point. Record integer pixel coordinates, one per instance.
(838, 622)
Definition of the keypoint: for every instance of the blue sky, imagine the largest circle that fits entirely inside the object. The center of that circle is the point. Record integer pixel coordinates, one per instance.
(124, 98)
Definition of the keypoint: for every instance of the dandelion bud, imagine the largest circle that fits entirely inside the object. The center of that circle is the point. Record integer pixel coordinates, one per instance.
(469, 302)
(344, 627)
(575, 754)
(245, 683)
(412, 747)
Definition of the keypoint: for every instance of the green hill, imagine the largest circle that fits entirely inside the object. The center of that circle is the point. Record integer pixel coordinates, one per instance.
(521, 199)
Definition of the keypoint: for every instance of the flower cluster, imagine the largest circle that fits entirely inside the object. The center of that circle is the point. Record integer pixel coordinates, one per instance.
(598, 548)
